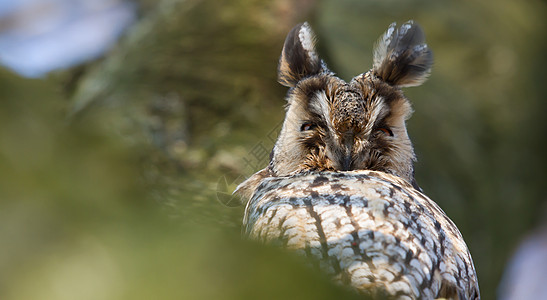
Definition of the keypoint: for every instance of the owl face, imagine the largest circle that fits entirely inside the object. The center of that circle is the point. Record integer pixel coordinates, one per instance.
(360, 125)
(334, 125)
(339, 126)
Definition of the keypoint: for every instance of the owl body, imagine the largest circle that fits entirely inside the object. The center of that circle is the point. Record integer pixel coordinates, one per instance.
(367, 229)
(340, 185)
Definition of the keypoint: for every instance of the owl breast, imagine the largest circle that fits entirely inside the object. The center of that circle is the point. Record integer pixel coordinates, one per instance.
(370, 230)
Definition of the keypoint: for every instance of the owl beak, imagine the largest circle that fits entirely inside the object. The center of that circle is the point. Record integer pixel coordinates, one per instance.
(346, 160)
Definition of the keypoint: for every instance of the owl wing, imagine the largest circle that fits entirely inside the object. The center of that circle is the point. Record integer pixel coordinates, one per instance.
(367, 229)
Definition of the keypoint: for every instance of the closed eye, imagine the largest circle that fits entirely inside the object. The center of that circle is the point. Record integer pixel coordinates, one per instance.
(385, 130)
(307, 126)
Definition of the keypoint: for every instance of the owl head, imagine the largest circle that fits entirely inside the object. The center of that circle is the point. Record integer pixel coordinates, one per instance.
(335, 125)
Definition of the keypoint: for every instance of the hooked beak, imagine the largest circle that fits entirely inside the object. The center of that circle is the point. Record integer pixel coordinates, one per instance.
(346, 160)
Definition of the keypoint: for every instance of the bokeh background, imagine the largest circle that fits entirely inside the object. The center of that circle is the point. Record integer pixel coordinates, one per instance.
(125, 125)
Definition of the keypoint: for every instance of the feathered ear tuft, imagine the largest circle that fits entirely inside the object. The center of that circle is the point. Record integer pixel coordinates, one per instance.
(298, 58)
(401, 56)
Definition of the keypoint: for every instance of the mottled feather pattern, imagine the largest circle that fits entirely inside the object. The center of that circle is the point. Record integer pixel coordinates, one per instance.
(369, 229)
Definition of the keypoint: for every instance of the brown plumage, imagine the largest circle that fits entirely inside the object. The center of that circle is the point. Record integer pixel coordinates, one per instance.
(340, 185)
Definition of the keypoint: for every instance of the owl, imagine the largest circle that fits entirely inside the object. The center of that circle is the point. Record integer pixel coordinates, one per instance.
(340, 187)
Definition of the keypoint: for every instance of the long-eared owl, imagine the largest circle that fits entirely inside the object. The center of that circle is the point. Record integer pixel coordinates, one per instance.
(340, 184)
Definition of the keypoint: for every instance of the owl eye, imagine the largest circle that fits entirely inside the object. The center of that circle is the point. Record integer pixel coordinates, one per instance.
(307, 126)
(385, 130)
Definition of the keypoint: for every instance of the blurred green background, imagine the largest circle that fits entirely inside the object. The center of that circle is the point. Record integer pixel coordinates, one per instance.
(114, 174)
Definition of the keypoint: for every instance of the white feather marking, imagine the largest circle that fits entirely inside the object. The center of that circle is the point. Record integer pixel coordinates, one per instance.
(307, 39)
(321, 106)
(405, 27)
(377, 111)
(381, 47)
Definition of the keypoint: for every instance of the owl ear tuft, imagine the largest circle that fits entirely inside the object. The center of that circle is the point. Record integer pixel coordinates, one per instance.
(401, 56)
(298, 58)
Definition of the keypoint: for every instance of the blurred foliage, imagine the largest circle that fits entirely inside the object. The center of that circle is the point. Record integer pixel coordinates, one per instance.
(109, 173)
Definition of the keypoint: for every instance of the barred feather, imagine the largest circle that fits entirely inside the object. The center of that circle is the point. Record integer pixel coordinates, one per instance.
(368, 229)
